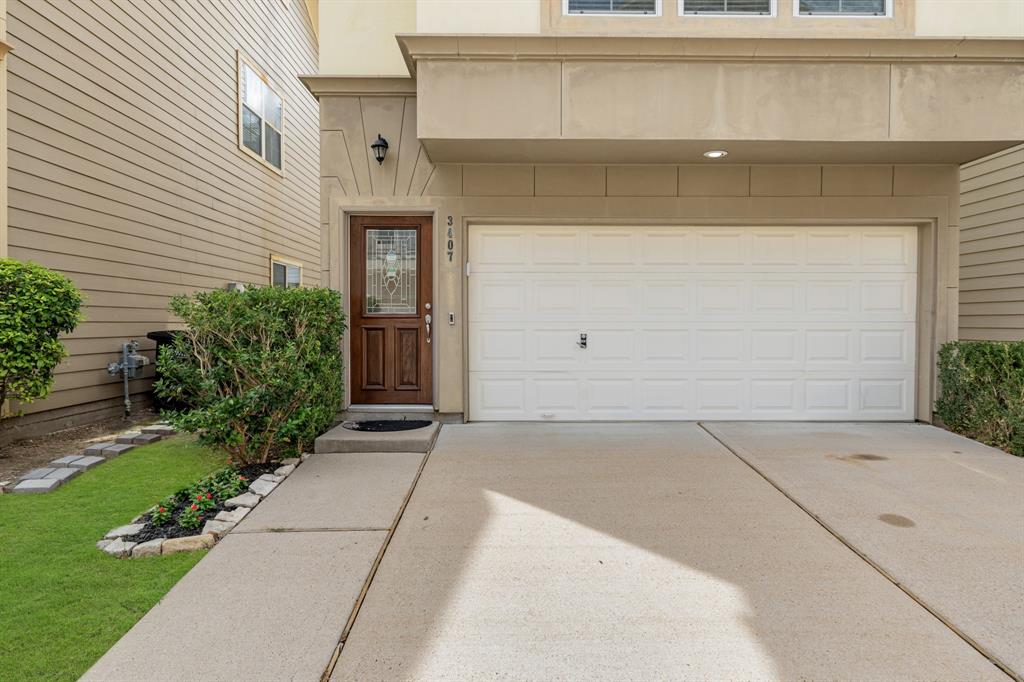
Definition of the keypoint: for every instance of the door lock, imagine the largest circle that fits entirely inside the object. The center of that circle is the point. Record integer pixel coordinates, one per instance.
(582, 343)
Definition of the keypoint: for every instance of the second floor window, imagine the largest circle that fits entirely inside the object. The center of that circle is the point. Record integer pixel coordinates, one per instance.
(260, 114)
(868, 8)
(611, 6)
(726, 7)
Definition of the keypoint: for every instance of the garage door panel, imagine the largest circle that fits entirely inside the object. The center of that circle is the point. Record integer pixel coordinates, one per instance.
(692, 296)
(689, 396)
(673, 345)
(767, 249)
(692, 323)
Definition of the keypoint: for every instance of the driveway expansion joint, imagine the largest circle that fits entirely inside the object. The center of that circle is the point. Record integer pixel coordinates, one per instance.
(745, 458)
(309, 530)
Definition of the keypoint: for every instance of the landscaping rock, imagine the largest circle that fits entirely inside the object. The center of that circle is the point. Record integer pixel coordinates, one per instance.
(65, 461)
(144, 438)
(102, 544)
(63, 474)
(117, 449)
(189, 543)
(98, 448)
(128, 437)
(284, 470)
(233, 516)
(120, 531)
(119, 548)
(160, 429)
(37, 473)
(148, 548)
(290, 460)
(217, 528)
(84, 463)
(36, 485)
(305, 456)
(243, 500)
(262, 486)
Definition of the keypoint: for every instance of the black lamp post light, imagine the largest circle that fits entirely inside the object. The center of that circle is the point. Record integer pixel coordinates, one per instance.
(380, 148)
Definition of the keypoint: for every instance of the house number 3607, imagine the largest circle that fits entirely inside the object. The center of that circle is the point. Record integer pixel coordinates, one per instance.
(451, 239)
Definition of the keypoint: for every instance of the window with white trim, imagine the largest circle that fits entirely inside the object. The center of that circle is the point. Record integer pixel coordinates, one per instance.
(853, 8)
(285, 274)
(752, 7)
(652, 7)
(260, 115)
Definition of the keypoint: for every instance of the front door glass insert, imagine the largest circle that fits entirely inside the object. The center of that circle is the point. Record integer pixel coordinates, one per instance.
(391, 271)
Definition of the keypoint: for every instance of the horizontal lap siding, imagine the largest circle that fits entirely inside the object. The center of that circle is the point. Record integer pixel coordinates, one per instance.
(992, 247)
(125, 171)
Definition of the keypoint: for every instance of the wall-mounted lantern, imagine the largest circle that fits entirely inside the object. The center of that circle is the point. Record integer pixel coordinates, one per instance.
(380, 148)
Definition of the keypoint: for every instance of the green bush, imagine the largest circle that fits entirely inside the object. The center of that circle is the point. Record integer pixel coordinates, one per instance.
(261, 369)
(983, 391)
(36, 306)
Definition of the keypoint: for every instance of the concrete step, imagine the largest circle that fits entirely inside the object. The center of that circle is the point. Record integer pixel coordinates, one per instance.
(340, 439)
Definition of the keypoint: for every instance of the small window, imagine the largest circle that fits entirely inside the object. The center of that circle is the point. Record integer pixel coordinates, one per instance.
(854, 8)
(756, 7)
(652, 7)
(285, 274)
(260, 115)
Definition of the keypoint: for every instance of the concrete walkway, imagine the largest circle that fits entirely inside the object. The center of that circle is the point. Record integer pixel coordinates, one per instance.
(270, 601)
(630, 552)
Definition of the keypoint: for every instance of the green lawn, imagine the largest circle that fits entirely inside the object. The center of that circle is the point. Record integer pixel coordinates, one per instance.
(63, 603)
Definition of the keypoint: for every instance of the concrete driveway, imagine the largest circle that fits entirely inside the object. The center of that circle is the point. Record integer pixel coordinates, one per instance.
(671, 551)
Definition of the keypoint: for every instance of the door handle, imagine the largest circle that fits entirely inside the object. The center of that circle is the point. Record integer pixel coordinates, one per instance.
(428, 319)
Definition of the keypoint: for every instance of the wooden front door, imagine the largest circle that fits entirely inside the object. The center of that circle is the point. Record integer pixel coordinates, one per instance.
(391, 317)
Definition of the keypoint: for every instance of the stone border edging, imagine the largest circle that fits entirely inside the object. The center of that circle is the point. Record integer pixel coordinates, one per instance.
(237, 508)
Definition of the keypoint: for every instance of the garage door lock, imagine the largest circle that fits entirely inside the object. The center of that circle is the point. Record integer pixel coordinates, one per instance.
(582, 343)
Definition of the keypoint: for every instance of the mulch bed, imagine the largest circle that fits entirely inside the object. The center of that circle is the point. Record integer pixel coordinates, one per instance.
(173, 530)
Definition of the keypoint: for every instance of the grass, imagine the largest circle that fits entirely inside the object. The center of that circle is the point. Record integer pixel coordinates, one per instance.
(63, 603)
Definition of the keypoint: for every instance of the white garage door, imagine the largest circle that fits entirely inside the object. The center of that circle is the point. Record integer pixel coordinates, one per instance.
(691, 323)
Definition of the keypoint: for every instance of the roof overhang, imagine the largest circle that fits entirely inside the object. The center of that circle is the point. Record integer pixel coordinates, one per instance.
(615, 99)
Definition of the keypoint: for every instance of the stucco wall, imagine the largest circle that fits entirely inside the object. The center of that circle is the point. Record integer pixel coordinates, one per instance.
(357, 37)
(125, 171)
(812, 194)
(971, 18)
(992, 247)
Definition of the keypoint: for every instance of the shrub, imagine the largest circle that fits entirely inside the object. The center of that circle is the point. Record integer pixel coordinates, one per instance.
(36, 306)
(261, 369)
(983, 391)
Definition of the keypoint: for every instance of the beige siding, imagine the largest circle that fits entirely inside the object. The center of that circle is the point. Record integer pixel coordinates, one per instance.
(125, 171)
(992, 247)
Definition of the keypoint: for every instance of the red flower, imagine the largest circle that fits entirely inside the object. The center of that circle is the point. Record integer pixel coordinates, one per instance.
(209, 496)
(161, 510)
(242, 478)
(193, 507)
(199, 497)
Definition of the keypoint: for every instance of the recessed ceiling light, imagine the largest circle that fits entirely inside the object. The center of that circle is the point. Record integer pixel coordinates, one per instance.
(716, 154)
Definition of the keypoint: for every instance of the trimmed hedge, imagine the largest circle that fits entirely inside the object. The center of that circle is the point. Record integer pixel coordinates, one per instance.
(37, 305)
(261, 369)
(983, 391)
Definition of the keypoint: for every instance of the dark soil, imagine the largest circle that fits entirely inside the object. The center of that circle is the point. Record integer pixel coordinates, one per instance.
(173, 529)
(386, 425)
(23, 455)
